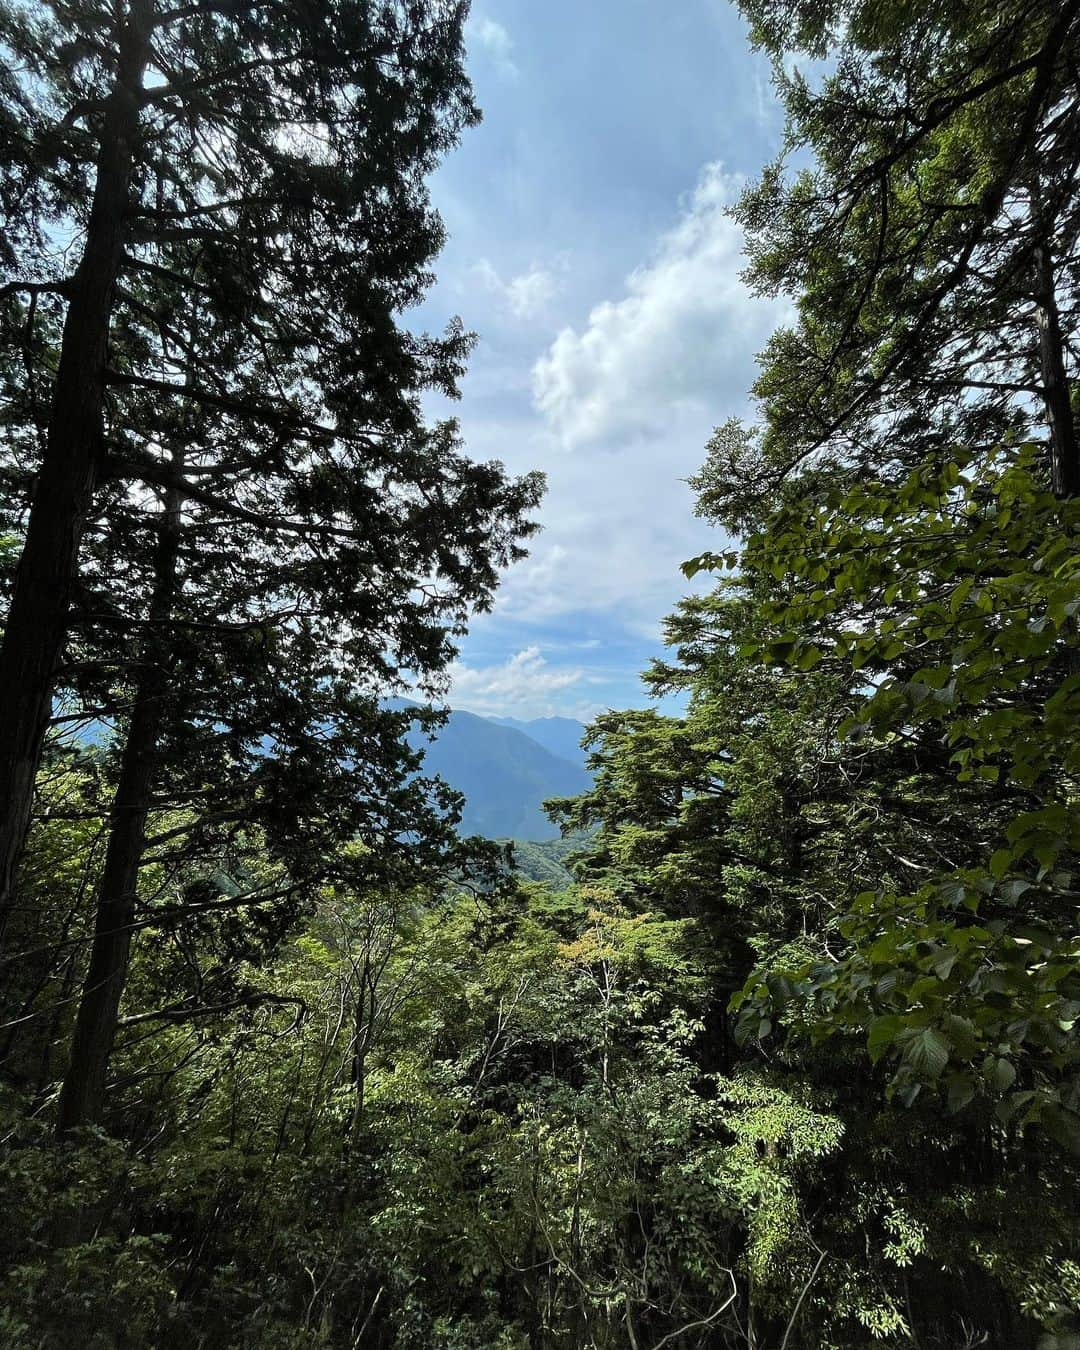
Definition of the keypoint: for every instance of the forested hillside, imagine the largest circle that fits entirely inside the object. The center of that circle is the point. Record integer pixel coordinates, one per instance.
(787, 1060)
(548, 860)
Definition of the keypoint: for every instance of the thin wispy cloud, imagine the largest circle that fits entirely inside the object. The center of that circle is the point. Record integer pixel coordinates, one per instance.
(526, 295)
(493, 39)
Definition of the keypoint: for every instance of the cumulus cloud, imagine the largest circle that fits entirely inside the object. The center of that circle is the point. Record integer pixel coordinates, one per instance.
(680, 340)
(526, 295)
(614, 537)
(615, 528)
(496, 41)
(524, 685)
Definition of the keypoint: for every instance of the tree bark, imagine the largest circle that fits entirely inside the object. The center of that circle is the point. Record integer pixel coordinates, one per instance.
(37, 621)
(361, 1037)
(1064, 453)
(82, 1098)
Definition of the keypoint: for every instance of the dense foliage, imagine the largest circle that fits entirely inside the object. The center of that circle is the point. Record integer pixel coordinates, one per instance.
(776, 1049)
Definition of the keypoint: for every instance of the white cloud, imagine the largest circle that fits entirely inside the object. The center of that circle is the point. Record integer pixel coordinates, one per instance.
(496, 41)
(524, 685)
(616, 526)
(680, 341)
(615, 535)
(530, 292)
(526, 295)
(629, 399)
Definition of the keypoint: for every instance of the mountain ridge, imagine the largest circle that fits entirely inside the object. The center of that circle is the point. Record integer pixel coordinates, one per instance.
(503, 771)
(561, 735)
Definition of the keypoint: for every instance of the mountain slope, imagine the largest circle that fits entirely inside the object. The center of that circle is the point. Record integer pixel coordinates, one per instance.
(561, 735)
(504, 774)
(545, 859)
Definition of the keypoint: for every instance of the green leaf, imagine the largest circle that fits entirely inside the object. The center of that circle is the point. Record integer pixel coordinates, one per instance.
(999, 1074)
(928, 1053)
(1011, 891)
(961, 1090)
(1001, 863)
(809, 657)
(1062, 1125)
(780, 650)
(883, 1031)
(962, 1034)
(781, 989)
(702, 563)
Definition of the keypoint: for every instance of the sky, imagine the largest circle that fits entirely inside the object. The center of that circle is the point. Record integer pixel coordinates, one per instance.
(590, 249)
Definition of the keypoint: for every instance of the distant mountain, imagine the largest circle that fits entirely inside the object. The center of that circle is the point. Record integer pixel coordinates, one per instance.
(505, 768)
(561, 735)
(504, 773)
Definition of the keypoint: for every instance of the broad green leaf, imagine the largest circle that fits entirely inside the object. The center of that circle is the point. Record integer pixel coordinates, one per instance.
(927, 1053)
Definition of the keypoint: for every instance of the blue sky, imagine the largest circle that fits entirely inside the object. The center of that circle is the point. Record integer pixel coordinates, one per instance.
(590, 250)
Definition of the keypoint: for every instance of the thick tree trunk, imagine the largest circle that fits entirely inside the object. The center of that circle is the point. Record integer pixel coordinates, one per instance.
(82, 1097)
(38, 618)
(1064, 452)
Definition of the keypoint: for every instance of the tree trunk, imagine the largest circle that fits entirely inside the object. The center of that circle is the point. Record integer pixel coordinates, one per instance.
(1064, 453)
(38, 618)
(82, 1097)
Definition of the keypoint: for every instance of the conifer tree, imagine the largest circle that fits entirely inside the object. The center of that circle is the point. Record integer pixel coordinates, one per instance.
(267, 162)
(933, 245)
